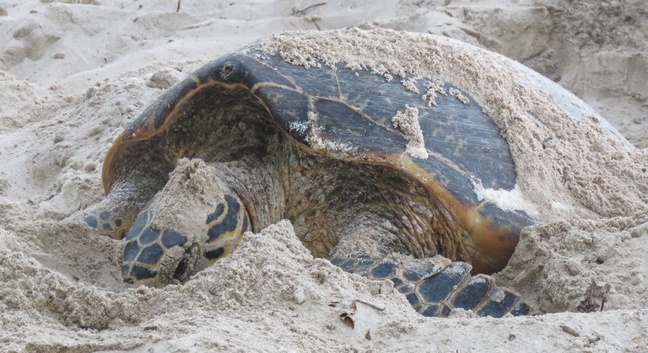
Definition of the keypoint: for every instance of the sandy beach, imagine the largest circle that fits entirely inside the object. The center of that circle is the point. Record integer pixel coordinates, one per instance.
(74, 73)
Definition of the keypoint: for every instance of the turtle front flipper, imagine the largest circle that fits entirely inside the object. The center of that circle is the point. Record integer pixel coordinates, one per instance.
(115, 214)
(435, 286)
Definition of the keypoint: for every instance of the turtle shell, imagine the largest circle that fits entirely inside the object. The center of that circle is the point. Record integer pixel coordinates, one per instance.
(351, 114)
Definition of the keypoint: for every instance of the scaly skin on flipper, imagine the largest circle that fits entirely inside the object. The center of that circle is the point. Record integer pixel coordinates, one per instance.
(319, 146)
(114, 215)
(437, 286)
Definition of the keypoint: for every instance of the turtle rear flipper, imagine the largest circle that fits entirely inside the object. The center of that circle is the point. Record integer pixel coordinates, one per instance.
(436, 286)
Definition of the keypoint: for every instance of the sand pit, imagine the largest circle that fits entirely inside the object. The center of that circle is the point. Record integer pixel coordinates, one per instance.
(74, 73)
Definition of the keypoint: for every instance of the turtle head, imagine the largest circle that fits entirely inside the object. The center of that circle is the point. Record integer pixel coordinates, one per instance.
(156, 257)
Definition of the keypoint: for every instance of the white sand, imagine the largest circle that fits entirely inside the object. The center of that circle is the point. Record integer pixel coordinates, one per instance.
(73, 75)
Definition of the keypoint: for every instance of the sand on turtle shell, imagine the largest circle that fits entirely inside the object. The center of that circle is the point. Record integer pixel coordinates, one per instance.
(408, 121)
(60, 286)
(562, 162)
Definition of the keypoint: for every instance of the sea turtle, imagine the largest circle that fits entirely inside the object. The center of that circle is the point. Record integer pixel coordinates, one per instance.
(362, 165)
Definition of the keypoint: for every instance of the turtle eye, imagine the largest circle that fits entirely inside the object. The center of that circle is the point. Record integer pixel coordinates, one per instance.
(181, 268)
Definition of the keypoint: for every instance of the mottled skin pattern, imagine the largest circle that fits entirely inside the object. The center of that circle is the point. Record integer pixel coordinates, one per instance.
(436, 287)
(318, 147)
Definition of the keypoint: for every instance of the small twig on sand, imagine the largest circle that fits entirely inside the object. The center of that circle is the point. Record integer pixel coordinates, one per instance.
(314, 20)
(296, 12)
(178, 8)
(375, 306)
